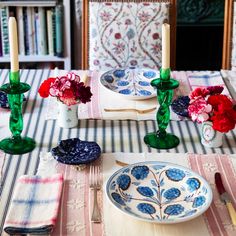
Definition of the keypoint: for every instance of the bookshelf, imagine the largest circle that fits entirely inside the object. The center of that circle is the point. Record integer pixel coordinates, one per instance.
(58, 53)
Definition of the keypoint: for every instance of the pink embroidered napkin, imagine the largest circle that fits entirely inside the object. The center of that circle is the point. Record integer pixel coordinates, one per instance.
(35, 204)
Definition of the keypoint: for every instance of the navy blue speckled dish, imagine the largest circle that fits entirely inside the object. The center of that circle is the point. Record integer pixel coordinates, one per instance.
(180, 106)
(4, 100)
(74, 151)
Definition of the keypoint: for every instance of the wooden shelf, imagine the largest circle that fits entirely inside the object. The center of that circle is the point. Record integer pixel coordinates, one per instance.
(35, 58)
(28, 3)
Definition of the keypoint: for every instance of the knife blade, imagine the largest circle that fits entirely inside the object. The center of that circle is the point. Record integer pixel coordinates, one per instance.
(224, 197)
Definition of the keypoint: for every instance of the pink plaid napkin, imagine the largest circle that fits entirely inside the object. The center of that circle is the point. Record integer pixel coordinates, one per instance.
(34, 206)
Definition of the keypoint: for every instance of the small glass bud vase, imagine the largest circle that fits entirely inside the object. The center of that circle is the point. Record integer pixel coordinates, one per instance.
(68, 115)
(209, 137)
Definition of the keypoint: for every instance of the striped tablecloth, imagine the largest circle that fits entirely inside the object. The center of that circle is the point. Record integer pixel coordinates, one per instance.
(111, 135)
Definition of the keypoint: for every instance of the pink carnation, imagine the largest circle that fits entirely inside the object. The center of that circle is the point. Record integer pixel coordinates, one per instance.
(199, 110)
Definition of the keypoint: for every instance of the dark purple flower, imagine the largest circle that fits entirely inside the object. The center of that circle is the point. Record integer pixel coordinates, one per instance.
(155, 36)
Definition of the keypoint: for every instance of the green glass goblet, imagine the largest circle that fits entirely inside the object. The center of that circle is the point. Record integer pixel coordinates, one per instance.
(165, 89)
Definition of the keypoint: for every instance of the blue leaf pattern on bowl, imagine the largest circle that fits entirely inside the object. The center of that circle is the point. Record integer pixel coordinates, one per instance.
(125, 91)
(119, 73)
(150, 74)
(145, 92)
(122, 83)
(162, 192)
(143, 83)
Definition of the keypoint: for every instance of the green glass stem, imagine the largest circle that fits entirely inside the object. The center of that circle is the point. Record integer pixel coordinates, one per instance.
(165, 89)
(16, 144)
(16, 118)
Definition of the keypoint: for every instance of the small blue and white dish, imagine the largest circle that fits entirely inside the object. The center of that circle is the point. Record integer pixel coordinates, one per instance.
(4, 100)
(130, 83)
(159, 192)
(180, 106)
(75, 152)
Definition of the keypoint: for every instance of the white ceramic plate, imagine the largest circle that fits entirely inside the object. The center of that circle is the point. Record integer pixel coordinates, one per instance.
(159, 192)
(130, 83)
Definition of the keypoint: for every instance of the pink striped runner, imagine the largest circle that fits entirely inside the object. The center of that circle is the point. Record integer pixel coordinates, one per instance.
(74, 216)
(216, 217)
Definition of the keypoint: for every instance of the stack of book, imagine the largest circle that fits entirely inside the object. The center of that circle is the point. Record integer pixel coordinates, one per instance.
(40, 30)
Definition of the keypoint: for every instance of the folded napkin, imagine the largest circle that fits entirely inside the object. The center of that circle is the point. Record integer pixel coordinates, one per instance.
(205, 79)
(34, 206)
(230, 80)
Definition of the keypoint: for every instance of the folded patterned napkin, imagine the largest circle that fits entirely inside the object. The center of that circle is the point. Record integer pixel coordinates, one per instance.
(34, 206)
(230, 80)
(205, 79)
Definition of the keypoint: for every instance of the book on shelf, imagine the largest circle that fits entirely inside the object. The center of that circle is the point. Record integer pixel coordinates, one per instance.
(25, 26)
(42, 33)
(4, 14)
(50, 32)
(54, 30)
(31, 29)
(59, 30)
(36, 27)
(20, 29)
(0, 41)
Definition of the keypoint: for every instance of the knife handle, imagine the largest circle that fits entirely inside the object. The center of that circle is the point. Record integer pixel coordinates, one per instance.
(232, 212)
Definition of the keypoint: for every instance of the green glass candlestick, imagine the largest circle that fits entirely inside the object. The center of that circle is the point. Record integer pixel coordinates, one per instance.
(16, 144)
(165, 89)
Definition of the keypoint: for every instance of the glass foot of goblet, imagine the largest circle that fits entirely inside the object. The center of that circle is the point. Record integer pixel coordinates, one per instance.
(166, 141)
(17, 146)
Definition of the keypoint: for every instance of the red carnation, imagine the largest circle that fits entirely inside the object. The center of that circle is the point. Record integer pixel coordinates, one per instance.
(223, 122)
(45, 86)
(198, 92)
(220, 102)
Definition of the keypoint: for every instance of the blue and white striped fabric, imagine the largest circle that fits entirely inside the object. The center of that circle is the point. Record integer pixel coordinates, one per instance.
(111, 135)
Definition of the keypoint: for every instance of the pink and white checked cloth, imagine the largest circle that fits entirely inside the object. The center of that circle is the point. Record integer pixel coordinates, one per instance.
(35, 204)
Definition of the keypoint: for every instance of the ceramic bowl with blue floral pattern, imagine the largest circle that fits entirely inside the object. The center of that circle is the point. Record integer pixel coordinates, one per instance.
(131, 83)
(159, 192)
